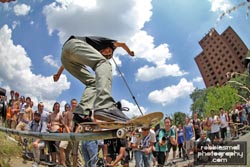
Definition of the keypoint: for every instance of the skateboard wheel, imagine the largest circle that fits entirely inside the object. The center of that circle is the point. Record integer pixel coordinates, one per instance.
(121, 133)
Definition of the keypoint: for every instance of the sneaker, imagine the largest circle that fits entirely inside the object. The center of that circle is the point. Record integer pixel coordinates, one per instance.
(110, 115)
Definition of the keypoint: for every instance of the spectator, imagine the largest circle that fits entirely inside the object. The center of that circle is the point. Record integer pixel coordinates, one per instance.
(55, 121)
(189, 136)
(165, 138)
(44, 114)
(37, 125)
(223, 123)
(180, 140)
(197, 126)
(68, 128)
(215, 127)
(115, 150)
(143, 147)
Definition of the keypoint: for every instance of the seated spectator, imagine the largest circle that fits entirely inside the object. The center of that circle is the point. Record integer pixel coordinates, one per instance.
(36, 125)
(115, 150)
(199, 147)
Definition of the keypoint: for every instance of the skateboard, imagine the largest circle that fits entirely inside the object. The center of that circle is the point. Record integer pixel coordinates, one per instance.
(124, 129)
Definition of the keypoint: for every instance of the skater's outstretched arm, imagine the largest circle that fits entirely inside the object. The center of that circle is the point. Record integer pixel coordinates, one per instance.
(58, 74)
(125, 47)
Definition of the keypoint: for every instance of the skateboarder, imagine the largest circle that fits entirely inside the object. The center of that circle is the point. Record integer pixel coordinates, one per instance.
(94, 52)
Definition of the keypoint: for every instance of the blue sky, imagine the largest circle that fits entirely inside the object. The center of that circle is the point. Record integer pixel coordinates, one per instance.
(164, 35)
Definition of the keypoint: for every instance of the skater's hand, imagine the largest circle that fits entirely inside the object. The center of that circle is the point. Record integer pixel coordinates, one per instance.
(131, 53)
(56, 77)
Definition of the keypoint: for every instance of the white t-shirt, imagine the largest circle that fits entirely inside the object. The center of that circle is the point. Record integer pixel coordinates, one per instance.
(223, 121)
(215, 127)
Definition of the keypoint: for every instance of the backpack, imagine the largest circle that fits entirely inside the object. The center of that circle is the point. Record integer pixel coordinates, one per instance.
(165, 137)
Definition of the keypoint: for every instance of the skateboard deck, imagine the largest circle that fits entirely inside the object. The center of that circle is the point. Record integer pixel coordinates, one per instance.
(124, 128)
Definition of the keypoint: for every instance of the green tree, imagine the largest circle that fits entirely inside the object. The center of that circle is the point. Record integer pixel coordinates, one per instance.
(217, 97)
(179, 118)
(198, 97)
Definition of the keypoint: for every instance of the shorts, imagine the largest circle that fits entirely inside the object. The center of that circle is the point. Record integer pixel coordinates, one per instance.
(171, 146)
(190, 144)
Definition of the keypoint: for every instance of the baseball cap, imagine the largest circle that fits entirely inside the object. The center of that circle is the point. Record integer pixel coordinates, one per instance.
(145, 127)
(37, 113)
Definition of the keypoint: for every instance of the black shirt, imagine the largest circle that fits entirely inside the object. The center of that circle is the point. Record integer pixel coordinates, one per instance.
(98, 43)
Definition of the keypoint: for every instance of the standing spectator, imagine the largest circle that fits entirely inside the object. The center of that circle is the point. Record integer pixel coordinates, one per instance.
(22, 108)
(15, 109)
(10, 104)
(55, 121)
(143, 147)
(197, 126)
(37, 125)
(207, 126)
(77, 157)
(68, 128)
(234, 116)
(165, 138)
(180, 140)
(89, 148)
(223, 123)
(173, 147)
(27, 116)
(44, 114)
(215, 127)
(189, 136)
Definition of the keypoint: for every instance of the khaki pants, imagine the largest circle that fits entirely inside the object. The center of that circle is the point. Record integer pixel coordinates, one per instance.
(76, 56)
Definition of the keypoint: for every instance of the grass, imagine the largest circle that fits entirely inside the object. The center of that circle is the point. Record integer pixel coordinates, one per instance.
(8, 149)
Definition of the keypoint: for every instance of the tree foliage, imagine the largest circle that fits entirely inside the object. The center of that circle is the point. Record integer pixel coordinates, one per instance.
(179, 118)
(204, 100)
(217, 97)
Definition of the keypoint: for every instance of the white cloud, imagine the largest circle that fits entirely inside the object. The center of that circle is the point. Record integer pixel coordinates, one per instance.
(144, 47)
(198, 79)
(133, 109)
(220, 5)
(15, 24)
(147, 73)
(21, 10)
(172, 93)
(16, 73)
(49, 60)
(126, 19)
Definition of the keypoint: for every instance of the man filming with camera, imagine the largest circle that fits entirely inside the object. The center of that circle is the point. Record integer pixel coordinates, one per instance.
(143, 146)
(166, 138)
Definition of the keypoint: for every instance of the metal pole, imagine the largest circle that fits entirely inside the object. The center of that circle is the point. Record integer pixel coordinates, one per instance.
(127, 85)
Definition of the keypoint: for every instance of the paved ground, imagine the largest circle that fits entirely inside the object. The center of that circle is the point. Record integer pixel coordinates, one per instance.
(18, 161)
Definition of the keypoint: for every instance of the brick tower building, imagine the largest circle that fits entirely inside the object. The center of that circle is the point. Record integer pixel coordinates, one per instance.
(221, 54)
